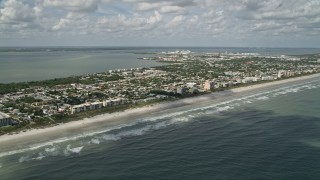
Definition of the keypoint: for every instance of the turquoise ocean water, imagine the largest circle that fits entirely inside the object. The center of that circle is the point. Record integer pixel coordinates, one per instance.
(268, 134)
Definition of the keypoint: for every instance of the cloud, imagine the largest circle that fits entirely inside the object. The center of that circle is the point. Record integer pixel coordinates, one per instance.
(162, 6)
(16, 12)
(121, 22)
(69, 22)
(73, 5)
(176, 21)
(209, 20)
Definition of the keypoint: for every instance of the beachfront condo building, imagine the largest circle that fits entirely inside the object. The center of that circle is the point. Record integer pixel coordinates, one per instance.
(208, 85)
(5, 119)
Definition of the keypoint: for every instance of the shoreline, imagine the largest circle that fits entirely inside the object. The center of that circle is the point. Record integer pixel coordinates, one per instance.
(36, 136)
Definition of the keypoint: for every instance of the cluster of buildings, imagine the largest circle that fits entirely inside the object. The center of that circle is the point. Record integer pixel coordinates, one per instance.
(98, 105)
(190, 74)
(283, 73)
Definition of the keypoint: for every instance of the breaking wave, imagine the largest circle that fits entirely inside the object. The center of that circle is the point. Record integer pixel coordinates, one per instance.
(95, 141)
(24, 159)
(263, 98)
(69, 150)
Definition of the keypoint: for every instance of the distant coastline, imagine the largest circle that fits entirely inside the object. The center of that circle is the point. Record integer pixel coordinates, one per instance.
(46, 63)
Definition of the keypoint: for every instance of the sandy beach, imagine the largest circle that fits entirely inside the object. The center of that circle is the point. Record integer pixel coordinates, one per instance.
(35, 136)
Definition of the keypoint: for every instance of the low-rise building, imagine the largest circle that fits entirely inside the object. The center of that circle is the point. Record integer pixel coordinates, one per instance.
(86, 107)
(181, 90)
(5, 119)
(114, 102)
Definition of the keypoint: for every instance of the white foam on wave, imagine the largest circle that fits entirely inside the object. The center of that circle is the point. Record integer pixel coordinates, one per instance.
(169, 115)
(110, 137)
(312, 87)
(161, 125)
(147, 128)
(95, 141)
(191, 116)
(287, 91)
(290, 89)
(236, 104)
(24, 159)
(136, 132)
(70, 150)
(50, 150)
(219, 109)
(76, 150)
(263, 98)
(225, 108)
(181, 119)
(38, 146)
(39, 157)
(61, 140)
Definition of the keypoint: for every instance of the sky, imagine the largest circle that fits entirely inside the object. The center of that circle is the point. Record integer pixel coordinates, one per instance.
(216, 23)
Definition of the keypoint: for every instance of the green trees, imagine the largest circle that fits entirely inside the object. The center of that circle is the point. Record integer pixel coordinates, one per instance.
(98, 95)
(28, 99)
(161, 92)
(15, 87)
(12, 87)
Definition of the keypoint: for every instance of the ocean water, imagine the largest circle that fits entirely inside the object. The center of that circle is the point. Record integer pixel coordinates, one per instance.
(18, 64)
(267, 134)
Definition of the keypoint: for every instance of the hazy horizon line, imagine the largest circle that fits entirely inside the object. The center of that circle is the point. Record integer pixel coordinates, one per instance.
(160, 46)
